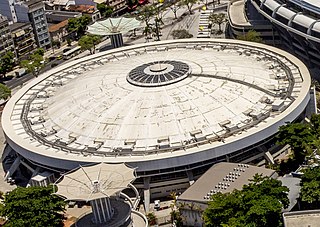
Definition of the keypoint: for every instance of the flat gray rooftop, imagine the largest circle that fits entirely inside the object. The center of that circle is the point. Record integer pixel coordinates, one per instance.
(308, 218)
(222, 177)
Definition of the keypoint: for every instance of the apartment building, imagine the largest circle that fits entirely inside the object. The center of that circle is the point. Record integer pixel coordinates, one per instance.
(23, 38)
(6, 42)
(28, 11)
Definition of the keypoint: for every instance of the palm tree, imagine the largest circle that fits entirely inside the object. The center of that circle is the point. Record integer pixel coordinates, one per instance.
(219, 19)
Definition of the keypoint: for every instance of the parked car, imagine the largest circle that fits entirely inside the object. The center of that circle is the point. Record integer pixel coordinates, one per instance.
(157, 204)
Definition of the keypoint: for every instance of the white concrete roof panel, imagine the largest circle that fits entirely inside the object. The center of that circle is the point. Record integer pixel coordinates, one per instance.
(285, 12)
(303, 20)
(271, 4)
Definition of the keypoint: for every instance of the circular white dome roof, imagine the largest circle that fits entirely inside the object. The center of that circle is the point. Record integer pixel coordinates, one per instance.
(205, 92)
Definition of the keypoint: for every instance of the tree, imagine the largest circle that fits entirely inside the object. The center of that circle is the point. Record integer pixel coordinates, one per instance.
(175, 6)
(258, 204)
(105, 10)
(33, 64)
(6, 63)
(5, 93)
(145, 14)
(189, 4)
(181, 34)
(78, 25)
(151, 218)
(251, 36)
(39, 51)
(33, 206)
(310, 188)
(218, 19)
(56, 43)
(298, 135)
(89, 42)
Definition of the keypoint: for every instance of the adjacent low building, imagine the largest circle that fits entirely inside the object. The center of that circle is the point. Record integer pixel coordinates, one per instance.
(57, 16)
(309, 218)
(222, 177)
(58, 32)
(88, 10)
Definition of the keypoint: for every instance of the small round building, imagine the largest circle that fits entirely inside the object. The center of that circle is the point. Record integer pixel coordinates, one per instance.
(170, 109)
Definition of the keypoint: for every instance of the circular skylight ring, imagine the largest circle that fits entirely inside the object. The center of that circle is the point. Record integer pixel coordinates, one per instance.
(158, 73)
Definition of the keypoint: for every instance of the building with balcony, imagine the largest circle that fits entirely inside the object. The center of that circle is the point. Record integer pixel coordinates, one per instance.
(23, 38)
(29, 11)
(6, 42)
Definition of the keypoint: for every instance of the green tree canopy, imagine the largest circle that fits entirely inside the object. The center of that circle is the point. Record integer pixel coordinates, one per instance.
(89, 42)
(6, 63)
(78, 25)
(189, 4)
(33, 206)
(258, 204)
(5, 92)
(33, 64)
(310, 188)
(251, 36)
(146, 14)
(39, 51)
(303, 138)
(105, 10)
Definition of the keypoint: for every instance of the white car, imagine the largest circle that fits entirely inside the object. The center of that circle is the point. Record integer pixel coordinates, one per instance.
(157, 204)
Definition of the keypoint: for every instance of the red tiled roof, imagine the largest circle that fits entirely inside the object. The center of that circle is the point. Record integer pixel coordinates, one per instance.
(82, 8)
(56, 27)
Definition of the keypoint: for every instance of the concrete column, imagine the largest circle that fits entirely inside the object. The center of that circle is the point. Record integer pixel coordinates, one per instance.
(116, 40)
(102, 210)
(146, 193)
(190, 177)
(13, 167)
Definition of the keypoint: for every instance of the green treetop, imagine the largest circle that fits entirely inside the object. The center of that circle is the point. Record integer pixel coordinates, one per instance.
(251, 36)
(34, 63)
(105, 10)
(218, 19)
(258, 204)
(78, 25)
(310, 188)
(5, 92)
(33, 206)
(189, 4)
(6, 63)
(89, 42)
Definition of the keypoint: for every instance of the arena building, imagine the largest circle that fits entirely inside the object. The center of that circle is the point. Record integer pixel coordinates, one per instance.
(292, 24)
(170, 109)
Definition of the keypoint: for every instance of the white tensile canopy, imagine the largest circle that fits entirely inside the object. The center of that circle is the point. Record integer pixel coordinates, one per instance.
(113, 26)
(94, 182)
